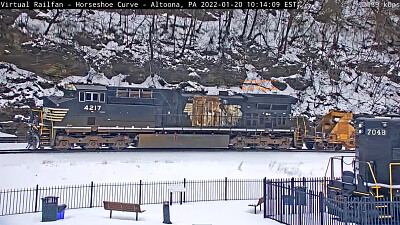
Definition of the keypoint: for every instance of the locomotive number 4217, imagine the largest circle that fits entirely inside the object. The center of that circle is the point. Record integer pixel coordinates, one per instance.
(92, 107)
(376, 132)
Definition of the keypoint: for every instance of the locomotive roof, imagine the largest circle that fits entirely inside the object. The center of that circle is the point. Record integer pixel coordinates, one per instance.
(380, 118)
(90, 87)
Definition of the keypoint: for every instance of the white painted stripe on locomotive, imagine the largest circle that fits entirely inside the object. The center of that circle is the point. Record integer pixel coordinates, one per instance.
(179, 128)
(383, 185)
(58, 127)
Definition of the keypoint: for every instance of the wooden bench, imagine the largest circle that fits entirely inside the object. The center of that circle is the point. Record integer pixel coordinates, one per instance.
(259, 203)
(119, 206)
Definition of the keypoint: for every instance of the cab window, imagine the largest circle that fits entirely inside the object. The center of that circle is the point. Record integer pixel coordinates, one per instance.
(102, 97)
(91, 96)
(81, 96)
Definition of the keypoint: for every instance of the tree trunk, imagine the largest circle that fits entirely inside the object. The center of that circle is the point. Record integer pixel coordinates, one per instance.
(192, 33)
(186, 37)
(285, 36)
(228, 24)
(245, 24)
(53, 20)
(151, 30)
(252, 26)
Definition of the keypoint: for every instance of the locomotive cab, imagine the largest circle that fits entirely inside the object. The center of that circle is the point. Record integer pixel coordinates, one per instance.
(375, 170)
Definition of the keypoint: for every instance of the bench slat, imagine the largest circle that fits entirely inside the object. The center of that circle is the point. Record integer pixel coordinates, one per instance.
(259, 203)
(119, 206)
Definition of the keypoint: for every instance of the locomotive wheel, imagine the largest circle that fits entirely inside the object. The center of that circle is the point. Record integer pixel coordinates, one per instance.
(120, 144)
(338, 147)
(274, 146)
(309, 145)
(63, 144)
(319, 146)
(92, 145)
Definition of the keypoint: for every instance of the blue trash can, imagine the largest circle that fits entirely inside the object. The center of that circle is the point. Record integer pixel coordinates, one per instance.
(61, 211)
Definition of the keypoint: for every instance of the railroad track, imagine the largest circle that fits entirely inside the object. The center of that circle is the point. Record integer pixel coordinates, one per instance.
(21, 151)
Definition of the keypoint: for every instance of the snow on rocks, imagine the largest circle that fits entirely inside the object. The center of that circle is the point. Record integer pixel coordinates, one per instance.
(21, 88)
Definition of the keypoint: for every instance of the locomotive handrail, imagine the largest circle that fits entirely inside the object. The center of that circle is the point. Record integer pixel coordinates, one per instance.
(391, 180)
(372, 172)
(330, 162)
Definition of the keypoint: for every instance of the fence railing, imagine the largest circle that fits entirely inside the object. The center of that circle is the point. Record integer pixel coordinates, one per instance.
(289, 201)
(293, 201)
(302, 201)
(26, 200)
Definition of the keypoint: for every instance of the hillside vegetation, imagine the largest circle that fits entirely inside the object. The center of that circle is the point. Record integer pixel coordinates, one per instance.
(330, 54)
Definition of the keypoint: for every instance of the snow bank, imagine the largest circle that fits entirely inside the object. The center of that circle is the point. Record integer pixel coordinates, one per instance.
(27, 170)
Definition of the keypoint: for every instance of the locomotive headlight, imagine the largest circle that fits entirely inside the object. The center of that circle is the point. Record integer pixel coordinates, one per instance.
(361, 128)
(384, 124)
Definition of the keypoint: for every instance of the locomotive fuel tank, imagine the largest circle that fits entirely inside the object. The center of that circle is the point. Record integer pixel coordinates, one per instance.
(183, 141)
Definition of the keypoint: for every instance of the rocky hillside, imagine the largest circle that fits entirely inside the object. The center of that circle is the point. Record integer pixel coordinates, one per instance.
(329, 54)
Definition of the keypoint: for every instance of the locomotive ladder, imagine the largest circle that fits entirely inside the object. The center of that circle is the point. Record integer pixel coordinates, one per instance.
(299, 134)
(45, 131)
(48, 117)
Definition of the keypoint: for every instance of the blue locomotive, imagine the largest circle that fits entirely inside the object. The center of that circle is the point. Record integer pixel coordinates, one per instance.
(93, 116)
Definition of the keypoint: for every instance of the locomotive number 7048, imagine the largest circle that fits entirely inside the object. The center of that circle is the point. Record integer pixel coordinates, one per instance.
(92, 107)
(376, 132)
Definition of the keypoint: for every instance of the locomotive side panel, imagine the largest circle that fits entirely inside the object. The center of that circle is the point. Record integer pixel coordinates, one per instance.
(267, 111)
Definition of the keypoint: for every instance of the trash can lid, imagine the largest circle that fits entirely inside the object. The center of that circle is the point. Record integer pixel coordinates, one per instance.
(61, 208)
(50, 199)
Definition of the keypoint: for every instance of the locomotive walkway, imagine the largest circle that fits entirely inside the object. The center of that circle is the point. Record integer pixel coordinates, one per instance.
(23, 151)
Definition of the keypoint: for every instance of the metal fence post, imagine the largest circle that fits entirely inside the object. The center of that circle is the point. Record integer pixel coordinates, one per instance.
(140, 192)
(184, 194)
(91, 194)
(345, 210)
(265, 196)
(226, 188)
(321, 207)
(36, 198)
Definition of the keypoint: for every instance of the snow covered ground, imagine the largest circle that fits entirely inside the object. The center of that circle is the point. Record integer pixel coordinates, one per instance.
(27, 170)
(199, 213)
(6, 146)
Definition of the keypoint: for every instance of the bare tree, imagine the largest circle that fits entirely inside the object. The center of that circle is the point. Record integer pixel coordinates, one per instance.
(284, 41)
(52, 21)
(151, 32)
(245, 24)
(253, 24)
(187, 36)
